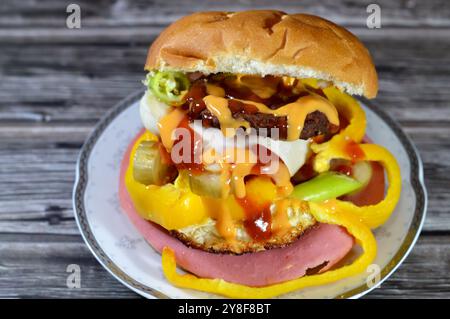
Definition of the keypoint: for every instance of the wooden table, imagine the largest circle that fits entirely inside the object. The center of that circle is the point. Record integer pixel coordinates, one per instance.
(55, 84)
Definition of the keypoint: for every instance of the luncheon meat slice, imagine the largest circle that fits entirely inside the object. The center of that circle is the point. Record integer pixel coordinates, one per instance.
(319, 249)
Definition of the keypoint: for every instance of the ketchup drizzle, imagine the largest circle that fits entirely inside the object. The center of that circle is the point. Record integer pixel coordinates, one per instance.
(353, 150)
(258, 222)
(195, 164)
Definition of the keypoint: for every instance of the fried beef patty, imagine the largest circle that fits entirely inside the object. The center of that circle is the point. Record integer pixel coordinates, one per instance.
(316, 123)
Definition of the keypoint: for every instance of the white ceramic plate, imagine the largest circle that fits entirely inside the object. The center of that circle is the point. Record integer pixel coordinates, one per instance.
(126, 255)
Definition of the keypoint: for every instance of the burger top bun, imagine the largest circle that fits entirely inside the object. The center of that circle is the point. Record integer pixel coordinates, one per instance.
(266, 42)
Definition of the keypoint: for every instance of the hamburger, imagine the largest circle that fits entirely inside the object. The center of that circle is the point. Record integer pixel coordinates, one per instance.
(251, 138)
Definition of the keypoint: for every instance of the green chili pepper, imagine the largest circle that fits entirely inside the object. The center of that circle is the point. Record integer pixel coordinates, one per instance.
(169, 86)
(325, 186)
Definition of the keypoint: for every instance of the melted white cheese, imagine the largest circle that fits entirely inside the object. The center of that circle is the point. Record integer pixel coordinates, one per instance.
(151, 111)
(292, 153)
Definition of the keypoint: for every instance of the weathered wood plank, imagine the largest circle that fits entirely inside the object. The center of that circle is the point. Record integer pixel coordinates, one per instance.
(26, 266)
(144, 35)
(38, 269)
(56, 83)
(424, 274)
(130, 13)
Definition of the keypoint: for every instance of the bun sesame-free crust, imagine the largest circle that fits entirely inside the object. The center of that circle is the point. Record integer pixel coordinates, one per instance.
(266, 42)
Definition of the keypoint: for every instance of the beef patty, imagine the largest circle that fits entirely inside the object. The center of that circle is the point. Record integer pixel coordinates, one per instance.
(316, 123)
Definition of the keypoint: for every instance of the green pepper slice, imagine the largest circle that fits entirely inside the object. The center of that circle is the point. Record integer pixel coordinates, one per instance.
(169, 86)
(325, 186)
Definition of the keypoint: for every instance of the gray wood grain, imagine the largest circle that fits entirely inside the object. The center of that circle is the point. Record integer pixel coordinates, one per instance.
(56, 83)
(35, 267)
(161, 12)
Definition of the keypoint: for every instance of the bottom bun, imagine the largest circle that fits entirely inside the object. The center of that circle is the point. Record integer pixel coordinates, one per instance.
(317, 250)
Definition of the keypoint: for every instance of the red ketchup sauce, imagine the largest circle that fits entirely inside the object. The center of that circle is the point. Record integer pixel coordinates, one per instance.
(354, 151)
(258, 222)
(373, 192)
(344, 169)
(343, 122)
(194, 165)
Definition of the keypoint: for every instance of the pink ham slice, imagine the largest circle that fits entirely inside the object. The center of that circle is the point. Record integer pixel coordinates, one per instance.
(323, 245)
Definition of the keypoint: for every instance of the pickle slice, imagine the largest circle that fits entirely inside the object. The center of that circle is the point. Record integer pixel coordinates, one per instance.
(149, 168)
(206, 184)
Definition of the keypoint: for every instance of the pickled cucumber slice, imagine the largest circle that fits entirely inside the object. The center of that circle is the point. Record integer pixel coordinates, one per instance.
(206, 184)
(149, 168)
